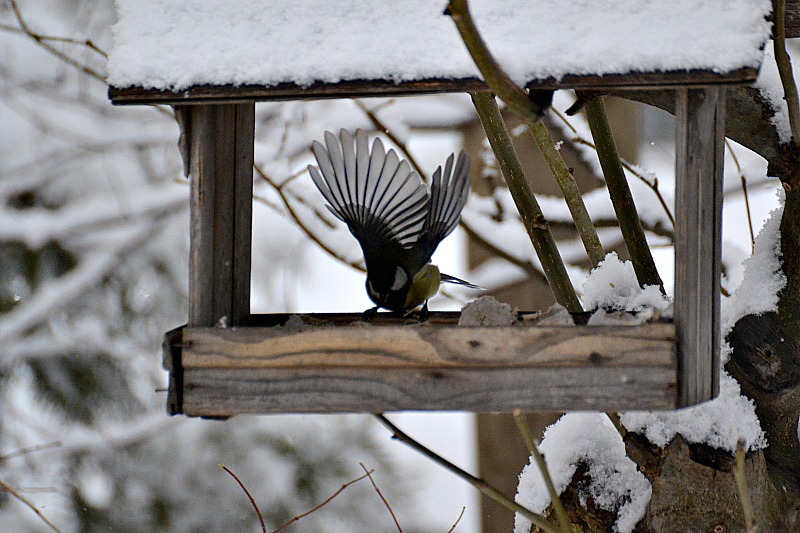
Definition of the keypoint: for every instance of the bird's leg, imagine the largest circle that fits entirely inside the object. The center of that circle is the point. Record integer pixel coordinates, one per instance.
(424, 312)
(369, 314)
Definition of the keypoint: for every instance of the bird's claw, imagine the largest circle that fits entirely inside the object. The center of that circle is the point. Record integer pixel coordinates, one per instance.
(422, 315)
(369, 314)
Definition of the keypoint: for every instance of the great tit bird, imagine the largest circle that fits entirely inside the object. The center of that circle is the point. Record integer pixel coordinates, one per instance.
(389, 211)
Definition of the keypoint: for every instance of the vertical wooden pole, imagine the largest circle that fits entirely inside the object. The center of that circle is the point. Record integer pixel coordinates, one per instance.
(699, 147)
(219, 139)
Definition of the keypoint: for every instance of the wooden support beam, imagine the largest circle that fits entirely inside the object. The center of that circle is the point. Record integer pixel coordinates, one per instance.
(699, 145)
(203, 94)
(360, 367)
(219, 140)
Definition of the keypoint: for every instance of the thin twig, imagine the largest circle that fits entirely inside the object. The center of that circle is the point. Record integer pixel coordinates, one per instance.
(741, 485)
(529, 268)
(577, 139)
(43, 42)
(18, 496)
(523, 429)
(655, 229)
(478, 483)
(785, 70)
(323, 504)
(88, 43)
(555, 499)
(380, 126)
(386, 503)
(461, 514)
(279, 190)
(744, 191)
(247, 492)
(749, 216)
(265, 201)
(31, 449)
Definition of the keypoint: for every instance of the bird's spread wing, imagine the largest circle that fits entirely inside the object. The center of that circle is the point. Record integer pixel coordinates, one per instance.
(377, 195)
(449, 191)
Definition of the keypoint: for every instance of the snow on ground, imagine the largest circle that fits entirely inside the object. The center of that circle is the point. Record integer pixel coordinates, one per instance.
(162, 44)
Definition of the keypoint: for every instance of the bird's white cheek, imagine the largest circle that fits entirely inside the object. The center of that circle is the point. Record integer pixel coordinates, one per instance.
(372, 292)
(400, 279)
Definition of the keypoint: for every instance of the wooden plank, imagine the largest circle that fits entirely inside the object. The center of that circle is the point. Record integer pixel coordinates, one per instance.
(367, 368)
(220, 146)
(375, 88)
(699, 145)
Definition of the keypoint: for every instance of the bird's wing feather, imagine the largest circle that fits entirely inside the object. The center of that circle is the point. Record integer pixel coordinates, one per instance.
(449, 192)
(447, 278)
(377, 195)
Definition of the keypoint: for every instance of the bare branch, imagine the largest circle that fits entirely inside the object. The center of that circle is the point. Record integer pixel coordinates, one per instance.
(460, 515)
(476, 482)
(744, 192)
(31, 449)
(285, 200)
(533, 219)
(386, 503)
(514, 97)
(44, 42)
(555, 500)
(785, 70)
(323, 504)
(624, 207)
(569, 188)
(18, 496)
(250, 496)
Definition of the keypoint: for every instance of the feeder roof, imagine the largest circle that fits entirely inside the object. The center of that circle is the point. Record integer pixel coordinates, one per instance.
(163, 46)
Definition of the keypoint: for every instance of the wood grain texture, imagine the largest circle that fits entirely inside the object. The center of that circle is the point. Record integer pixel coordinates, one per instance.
(366, 368)
(364, 88)
(220, 152)
(700, 140)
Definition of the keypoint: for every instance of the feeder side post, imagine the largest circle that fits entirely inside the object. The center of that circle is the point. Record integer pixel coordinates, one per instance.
(219, 139)
(699, 154)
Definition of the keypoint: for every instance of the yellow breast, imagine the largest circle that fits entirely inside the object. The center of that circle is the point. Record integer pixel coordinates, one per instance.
(424, 286)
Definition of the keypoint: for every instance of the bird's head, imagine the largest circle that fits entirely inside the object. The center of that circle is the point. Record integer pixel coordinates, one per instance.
(388, 287)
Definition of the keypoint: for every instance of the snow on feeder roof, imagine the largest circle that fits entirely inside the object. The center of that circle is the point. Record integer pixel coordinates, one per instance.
(169, 49)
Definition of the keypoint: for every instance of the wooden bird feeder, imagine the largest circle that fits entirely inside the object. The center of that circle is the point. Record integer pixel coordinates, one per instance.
(334, 363)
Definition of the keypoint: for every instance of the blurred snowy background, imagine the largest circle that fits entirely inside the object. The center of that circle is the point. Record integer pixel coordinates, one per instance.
(93, 271)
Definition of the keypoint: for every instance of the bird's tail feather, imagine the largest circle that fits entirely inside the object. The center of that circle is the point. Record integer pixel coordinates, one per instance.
(446, 278)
